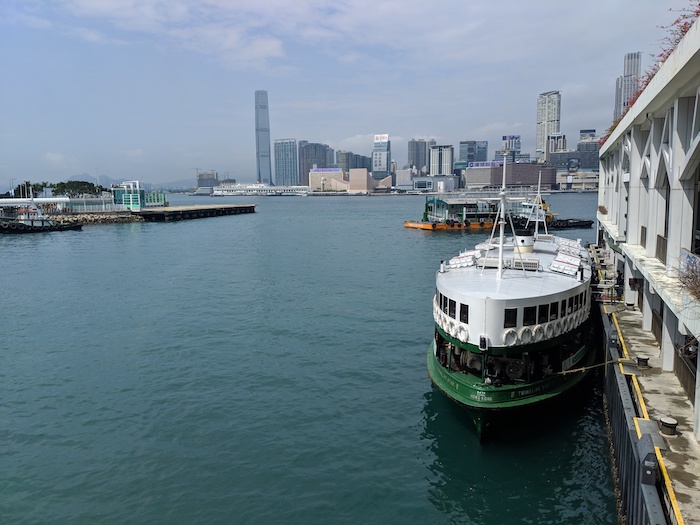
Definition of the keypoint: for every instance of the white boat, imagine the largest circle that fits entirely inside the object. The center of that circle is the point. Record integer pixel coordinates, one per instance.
(512, 326)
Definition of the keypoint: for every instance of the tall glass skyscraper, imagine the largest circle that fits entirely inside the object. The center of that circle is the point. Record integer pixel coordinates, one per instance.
(381, 157)
(548, 121)
(262, 138)
(286, 162)
(628, 83)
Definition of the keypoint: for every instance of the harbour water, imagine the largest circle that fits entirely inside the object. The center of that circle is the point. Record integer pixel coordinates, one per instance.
(263, 368)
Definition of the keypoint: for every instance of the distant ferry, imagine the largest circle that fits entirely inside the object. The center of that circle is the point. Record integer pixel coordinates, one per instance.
(230, 190)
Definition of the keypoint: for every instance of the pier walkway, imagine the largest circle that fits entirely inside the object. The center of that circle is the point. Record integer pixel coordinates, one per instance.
(662, 397)
(180, 213)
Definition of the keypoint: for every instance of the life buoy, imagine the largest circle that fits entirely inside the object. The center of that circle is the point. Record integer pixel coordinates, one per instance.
(549, 330)
(538, 333)
(13, 226)
(510, 337)
(481, 223)
(525, 335)
(462, 333)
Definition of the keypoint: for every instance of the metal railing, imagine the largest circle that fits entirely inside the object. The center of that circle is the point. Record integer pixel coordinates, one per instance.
(639, 479)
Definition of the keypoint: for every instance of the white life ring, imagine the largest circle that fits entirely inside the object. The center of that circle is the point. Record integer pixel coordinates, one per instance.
(538, 333)
(463, 333)
(510, 337)
(559, 327)
(525, 335)
(450, 327)
(549, 329)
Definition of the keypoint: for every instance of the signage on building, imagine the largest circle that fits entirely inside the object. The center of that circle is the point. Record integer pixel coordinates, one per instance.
(493, 164)
(381, 138)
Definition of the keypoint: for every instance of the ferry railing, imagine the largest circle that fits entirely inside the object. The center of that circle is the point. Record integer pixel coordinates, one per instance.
(638, 468)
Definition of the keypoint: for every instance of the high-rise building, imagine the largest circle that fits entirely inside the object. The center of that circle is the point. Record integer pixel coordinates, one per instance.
(262, 138)
(381, 157)
(441, 160)
(286, 162)
(548, 121)
(312, 155)
(510, 148)
(417, 154)
(473, 150)
(628, 83)
(347, 160)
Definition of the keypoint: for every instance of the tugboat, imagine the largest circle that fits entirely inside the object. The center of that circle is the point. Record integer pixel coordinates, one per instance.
(512, 329)
(30, 219)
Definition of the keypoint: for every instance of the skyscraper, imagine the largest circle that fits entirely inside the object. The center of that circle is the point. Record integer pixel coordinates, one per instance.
(286, 162)
(312, 155)
(473, 150)
(262, 138)
(441, 160)
(381, 157)
(548, 121)
(628, 83)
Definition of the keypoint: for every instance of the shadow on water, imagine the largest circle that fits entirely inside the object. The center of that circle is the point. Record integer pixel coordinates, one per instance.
(516, 476)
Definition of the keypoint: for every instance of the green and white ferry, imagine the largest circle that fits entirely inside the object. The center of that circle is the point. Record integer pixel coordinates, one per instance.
(512, 327)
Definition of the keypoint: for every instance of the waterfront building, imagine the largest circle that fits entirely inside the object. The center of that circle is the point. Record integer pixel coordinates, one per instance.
(347, 160)
(313, 155)
(473, 150)
(418, 154)
(327, 179)
(628, 83)
(510, 147)
(207, 178)
(481, 174)
(286, 162)
(649, 211)
(583, 158)
(381, 157)
(262, 138)
(548, 121)
(441, 160)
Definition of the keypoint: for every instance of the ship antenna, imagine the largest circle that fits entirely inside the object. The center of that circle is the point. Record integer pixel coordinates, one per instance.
(502, 221)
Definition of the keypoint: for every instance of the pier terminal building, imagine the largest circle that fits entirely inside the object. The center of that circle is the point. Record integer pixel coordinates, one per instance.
(648, 213)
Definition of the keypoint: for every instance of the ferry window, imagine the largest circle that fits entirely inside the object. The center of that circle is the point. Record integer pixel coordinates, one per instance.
(553, 311)
(464, 313)
(444, 303)
(543, 313)
(570, 309)
(576, 303)
(563, 308)
(581, 297)
(453, 309)
(529, 315)
(585, 298)
(511, 318)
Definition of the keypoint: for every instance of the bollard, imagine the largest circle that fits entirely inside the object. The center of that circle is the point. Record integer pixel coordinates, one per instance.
(642, 360)
(668, 426)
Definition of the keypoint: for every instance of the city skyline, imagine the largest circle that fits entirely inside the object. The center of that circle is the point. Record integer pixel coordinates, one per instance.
(154, 91)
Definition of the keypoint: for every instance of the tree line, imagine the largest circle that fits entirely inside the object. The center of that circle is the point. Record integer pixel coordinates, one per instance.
(73, 188)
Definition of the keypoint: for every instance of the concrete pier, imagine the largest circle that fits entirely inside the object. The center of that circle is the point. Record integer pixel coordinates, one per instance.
(181, 213)
(663, 402)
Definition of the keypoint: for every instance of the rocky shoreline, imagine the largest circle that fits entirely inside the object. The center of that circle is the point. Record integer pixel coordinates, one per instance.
(95, 218)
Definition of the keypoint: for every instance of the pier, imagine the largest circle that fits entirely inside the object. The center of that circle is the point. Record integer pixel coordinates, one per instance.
(182, 213)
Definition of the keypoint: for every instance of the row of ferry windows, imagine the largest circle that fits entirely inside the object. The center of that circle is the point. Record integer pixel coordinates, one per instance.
(531, 314)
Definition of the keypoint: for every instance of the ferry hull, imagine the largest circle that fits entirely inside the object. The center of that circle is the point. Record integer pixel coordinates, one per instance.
(491, 407)
(435, 226)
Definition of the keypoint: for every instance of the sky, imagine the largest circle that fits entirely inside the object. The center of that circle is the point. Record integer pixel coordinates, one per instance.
(154, 90)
